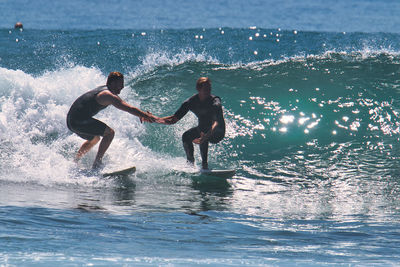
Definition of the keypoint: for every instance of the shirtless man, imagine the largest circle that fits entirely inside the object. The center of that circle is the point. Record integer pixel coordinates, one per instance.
(80, 116)
(211, 128)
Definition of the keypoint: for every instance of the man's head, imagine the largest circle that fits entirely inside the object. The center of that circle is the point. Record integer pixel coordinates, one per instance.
(203, 86)
(115, 82)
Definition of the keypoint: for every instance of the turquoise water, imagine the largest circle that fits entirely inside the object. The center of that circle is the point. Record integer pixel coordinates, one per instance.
(312, 112)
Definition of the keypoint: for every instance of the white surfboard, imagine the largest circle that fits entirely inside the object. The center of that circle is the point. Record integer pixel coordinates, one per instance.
(218, 173)
(123, 172)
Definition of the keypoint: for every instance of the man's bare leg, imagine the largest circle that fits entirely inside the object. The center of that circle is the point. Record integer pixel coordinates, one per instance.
(86, 147)
(104, 144)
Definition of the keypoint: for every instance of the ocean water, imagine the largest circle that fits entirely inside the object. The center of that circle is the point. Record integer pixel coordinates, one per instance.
(311, 100)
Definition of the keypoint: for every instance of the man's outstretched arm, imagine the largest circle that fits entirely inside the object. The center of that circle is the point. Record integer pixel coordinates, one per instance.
(107, 98)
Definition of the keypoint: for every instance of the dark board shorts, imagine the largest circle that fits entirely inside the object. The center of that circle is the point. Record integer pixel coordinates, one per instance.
(87, 128)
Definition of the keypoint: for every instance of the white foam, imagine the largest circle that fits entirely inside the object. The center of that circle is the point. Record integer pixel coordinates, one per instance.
(155, 59)
(35, 142)
(366, 52)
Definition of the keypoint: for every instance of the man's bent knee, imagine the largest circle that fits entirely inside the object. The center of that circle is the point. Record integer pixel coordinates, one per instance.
(109, 133)
(186, 137)
(190, 135)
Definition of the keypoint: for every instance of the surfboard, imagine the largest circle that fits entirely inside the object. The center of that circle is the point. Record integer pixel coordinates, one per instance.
(218, 173)
(123, 172)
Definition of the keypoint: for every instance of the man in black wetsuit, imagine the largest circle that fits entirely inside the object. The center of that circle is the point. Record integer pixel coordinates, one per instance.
(80, 116)
(211, 128)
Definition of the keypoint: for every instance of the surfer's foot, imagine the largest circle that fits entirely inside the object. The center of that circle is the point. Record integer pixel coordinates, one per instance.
(77, 158)
(202, 170)
(97, 165)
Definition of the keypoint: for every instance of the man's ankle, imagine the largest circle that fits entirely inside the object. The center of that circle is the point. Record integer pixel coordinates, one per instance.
(97, 165)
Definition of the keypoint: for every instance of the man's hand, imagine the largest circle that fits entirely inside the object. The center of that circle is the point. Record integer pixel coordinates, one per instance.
(167, 120)
(148, 117)
(203, 138)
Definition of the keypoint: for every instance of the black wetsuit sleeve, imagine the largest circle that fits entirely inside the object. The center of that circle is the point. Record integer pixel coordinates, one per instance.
(183, 110)
(218, 113)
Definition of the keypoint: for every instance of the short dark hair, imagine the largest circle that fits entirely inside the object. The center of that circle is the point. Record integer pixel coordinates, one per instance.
(114, 76)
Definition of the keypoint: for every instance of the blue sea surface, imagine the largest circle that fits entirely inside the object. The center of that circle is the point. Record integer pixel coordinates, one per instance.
(310, 93)
(315, 15)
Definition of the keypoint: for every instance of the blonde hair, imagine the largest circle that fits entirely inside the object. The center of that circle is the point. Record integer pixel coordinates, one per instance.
(114, 76)
(203, 82)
